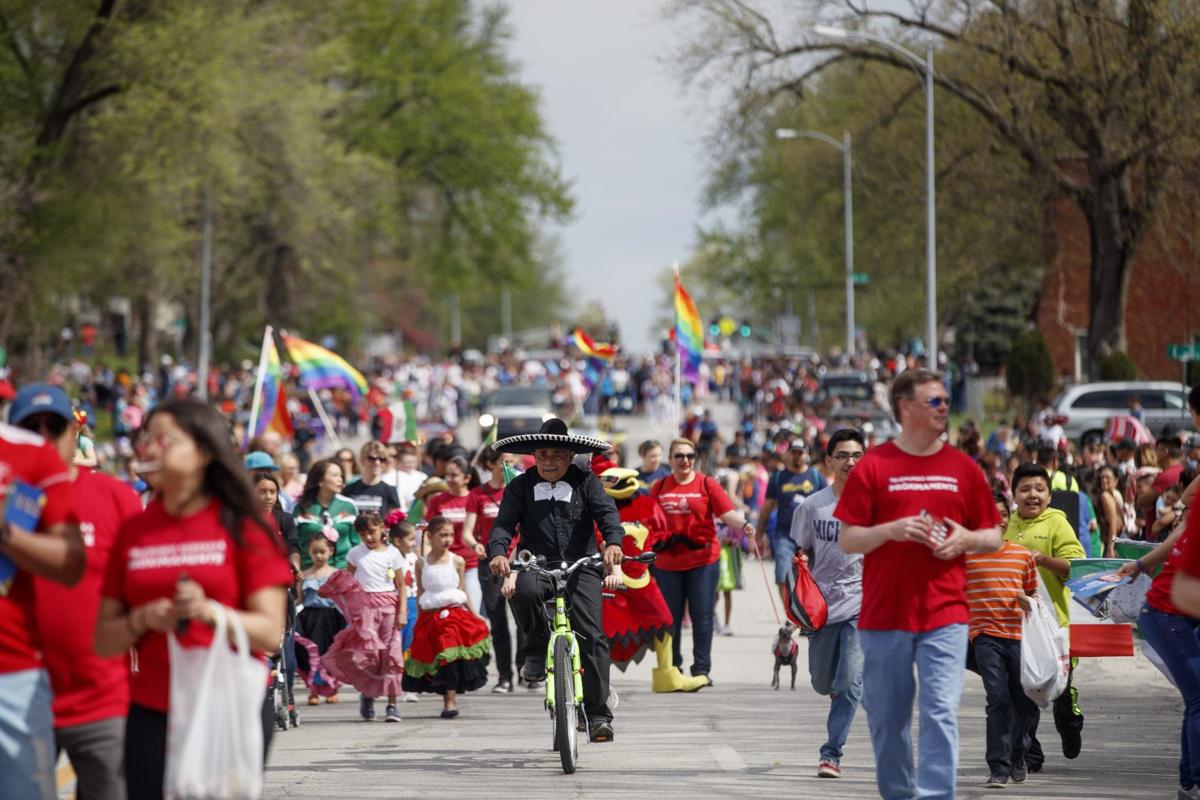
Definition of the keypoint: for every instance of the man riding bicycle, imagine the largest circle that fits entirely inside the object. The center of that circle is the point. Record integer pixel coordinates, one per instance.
(558, 508)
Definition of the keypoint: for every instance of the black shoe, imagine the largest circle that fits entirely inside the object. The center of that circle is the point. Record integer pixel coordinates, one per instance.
(1034, 766)
(602, 731)
(366, 708)
(996, 781)
(1017, 774)
(1072, 743)
(503, 687)
(533, 672)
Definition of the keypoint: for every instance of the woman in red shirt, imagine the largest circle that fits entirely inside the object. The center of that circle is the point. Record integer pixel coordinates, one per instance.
(452, 504)
(483, 503)
(687, 565)
(1172, 634)
(202, 538)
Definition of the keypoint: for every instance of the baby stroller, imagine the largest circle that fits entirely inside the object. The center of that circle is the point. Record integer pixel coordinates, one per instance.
(283, 671)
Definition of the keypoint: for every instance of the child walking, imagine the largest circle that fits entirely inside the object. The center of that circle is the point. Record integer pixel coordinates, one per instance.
(369, 655)
(451, 643)
(403, 535)
(318, 623)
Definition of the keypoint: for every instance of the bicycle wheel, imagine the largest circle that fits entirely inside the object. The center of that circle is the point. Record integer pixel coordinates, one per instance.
(565, 740)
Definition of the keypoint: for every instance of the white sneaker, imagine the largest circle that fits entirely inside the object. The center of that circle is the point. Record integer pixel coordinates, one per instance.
(411, 697)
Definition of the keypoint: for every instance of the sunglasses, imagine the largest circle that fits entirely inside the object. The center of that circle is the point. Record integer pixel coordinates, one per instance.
(375, 459)
(684, 456)
(938, 402)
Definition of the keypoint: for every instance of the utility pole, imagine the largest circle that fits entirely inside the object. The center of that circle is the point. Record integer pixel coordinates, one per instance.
(205, 295)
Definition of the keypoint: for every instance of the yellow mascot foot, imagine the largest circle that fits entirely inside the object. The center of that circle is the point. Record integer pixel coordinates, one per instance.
(668, 678)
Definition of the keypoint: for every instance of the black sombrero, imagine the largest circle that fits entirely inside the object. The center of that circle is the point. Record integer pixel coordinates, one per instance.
(553, 434)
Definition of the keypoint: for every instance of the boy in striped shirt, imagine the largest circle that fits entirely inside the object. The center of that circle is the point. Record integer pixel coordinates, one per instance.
(998, 589)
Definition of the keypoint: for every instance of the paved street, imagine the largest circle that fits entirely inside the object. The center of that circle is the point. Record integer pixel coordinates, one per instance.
(736, 739)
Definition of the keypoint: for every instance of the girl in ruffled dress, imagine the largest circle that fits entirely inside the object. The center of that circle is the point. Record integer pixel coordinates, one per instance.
(317, 624)
(450, 643)
(369, 655)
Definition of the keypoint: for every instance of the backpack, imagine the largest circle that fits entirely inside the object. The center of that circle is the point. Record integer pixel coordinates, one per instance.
(806, 607)
(1066, 501)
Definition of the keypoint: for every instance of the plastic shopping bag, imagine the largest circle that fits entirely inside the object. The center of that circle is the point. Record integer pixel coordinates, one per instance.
(1045, 654)
(214, 725)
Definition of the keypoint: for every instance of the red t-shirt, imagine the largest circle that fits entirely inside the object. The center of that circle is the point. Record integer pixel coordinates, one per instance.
(87, 688)
(1167, 478)
(154, 549)
(689, 509)
(1182, 557)
(904, 586)
(454, 509)
(484, 502)
(28, 457)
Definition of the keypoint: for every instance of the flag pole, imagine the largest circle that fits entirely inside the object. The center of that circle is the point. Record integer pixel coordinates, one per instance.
(678, 360)
(320, 409)
(258, 385)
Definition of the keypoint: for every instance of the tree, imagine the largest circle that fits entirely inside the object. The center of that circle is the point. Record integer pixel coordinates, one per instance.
(1030, 372)
(1094, 96)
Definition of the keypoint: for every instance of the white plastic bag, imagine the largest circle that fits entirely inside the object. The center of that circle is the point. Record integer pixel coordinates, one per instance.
(214, 725)
(1045, 653)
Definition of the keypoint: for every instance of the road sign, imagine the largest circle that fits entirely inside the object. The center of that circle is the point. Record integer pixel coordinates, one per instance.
(861, 278)
(1184, 352)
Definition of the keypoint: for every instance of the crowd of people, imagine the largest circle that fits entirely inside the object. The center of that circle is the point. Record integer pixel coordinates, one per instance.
(387, 567)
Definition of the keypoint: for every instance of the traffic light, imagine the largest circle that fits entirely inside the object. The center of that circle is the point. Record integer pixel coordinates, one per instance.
(745, 331)
(714, 327)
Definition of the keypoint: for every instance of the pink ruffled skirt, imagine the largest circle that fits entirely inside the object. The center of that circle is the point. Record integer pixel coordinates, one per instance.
(369, 654)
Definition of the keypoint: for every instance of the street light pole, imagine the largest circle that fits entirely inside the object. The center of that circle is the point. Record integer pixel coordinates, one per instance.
(848, 209)
(926, 65)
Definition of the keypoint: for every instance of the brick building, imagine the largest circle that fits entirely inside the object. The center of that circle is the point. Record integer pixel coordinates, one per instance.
(1162, 304)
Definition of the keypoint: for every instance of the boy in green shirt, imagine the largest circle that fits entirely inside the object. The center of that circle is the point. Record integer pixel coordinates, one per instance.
(1054, 544)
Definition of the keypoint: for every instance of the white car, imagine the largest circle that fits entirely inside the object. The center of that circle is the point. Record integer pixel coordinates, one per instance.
(1087, 407)
(515, 409)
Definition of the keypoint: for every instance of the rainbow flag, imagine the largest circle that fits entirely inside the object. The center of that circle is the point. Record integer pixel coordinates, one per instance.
(324, 369)
(591, 348)
(272, 413)
(689, 333)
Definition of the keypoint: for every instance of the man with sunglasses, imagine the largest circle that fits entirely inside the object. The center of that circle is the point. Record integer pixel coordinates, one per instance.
(913, 507)
(53, 551)
(786, 490)
(370, 492)
(835, 660)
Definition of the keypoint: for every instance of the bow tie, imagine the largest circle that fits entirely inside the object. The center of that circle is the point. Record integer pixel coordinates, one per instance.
(556, 491)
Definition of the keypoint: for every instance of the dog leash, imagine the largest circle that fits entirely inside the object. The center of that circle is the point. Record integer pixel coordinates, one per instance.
(770, 587)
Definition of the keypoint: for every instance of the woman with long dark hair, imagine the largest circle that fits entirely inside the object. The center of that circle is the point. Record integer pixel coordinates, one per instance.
(322, 509)
(203, 537)
(460, 479)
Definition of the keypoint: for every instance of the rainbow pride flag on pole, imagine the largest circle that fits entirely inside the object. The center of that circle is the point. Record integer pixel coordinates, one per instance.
(689, 333)
(268, 411)
(324, 369)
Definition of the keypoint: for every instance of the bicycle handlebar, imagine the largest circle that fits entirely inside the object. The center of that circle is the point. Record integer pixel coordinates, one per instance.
(526, 562)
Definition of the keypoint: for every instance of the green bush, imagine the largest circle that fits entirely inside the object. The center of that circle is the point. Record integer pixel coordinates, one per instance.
(1117, 366)
(1030, 371)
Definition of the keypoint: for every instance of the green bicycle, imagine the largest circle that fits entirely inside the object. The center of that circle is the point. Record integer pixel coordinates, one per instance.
(564, 676)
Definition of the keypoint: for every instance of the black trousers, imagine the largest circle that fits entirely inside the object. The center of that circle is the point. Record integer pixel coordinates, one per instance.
(1068, 720)
(1009, 711)
(146, 749)
(497, 614)
(583, 609)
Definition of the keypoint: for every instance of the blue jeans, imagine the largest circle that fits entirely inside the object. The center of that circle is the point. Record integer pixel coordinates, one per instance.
(888, 689)
(1173, 637)
(26, 736)
(784, 550)
(835, 665)
(698, 588)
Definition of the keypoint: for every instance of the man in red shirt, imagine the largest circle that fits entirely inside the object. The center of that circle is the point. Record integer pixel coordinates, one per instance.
(913, 507)
(1185, 588)
(53, 551)
(91, 694)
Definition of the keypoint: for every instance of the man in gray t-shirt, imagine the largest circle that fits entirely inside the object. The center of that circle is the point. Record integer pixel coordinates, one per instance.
(835, 661)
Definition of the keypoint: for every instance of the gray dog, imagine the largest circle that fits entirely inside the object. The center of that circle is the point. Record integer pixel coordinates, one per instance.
(786, 653)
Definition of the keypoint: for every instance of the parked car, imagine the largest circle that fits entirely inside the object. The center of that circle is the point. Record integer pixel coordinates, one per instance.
(868, 419)
(849, 387)
(515, 409)
(1088, 406)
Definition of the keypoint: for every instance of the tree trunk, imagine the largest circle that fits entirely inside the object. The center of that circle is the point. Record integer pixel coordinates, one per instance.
(1112, 253)
(147, 348)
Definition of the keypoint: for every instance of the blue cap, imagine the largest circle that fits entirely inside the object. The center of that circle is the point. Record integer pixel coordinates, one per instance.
(260, 460)
(40, 398)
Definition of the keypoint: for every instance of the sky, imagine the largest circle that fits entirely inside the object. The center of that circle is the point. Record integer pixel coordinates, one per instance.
(630, 142)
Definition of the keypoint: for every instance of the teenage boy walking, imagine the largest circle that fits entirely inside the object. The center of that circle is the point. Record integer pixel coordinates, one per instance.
(835, 660)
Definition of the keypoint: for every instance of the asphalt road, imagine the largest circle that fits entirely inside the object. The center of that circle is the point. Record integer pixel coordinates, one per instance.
(736, 739)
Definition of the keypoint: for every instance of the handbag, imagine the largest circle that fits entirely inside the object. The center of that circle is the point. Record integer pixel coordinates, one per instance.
(806, 607)
(214, 725)
(1045, 653)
